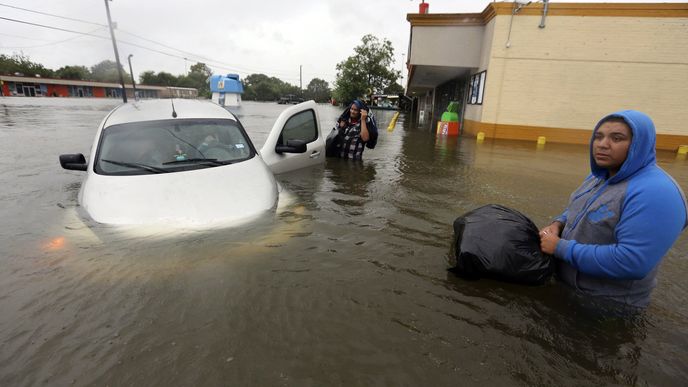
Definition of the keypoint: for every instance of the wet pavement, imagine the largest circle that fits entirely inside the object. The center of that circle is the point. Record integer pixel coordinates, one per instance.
(348, 286)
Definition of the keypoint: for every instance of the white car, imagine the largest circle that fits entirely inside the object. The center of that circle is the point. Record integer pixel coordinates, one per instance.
(189, 162)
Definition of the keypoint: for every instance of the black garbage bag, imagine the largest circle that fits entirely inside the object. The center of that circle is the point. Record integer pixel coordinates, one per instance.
(333, 143)
(335, 140)
(498, 242)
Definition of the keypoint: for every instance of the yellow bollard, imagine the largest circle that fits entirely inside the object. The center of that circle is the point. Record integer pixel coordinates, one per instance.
(393, 122)
(683, 149)
(480, 136)
(541, 140)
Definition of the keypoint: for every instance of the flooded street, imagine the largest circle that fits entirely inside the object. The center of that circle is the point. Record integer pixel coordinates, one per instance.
(346, 287)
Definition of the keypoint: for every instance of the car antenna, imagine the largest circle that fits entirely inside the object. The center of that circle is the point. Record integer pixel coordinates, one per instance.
(174, 113)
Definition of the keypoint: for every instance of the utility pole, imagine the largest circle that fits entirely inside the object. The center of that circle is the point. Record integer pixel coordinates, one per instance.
(133, 84)
(114, 45)
(300, 78)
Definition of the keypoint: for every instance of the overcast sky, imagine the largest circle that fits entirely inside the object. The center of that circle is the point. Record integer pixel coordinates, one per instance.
(251, 36)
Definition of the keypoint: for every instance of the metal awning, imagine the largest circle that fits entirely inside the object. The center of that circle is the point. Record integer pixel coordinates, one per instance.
(423, 77)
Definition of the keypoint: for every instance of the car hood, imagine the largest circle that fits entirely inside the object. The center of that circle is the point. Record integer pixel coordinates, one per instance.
(201, 197)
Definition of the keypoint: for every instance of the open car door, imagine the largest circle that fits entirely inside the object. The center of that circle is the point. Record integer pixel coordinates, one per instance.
(295, 140)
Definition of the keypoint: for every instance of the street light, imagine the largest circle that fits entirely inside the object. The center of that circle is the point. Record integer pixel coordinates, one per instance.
(133, 84)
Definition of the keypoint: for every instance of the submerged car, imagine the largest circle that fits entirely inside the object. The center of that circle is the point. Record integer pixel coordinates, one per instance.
(189, 162)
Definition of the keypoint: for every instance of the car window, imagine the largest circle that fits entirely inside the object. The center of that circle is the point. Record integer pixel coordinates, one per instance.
(300, 126)
(170, 146)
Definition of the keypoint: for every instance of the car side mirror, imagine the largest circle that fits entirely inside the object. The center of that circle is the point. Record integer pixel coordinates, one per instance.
(293, 146)
(76, 162)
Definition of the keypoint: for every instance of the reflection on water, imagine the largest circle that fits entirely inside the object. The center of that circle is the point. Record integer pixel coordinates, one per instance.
(347, 285)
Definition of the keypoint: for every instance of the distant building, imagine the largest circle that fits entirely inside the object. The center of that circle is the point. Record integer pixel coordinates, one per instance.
(226, 89)
(20, 86)
(523, 71)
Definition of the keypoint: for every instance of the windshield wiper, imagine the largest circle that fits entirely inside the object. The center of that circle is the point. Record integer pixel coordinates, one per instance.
(140, 166)
(197, 161)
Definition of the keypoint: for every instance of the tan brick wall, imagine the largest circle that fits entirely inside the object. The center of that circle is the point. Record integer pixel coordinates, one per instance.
(577, 69)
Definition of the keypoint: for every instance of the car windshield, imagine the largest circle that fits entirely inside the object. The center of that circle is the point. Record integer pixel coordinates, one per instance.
(165, 146)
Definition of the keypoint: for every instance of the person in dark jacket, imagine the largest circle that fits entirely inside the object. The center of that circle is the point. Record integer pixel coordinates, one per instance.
(356, 131)
(622, 220)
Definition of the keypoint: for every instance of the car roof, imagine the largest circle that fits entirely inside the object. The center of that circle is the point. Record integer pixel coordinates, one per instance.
(162, 109)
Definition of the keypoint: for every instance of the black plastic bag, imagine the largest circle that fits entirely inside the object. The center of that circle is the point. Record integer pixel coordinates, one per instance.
(333, 143)
(498, 242)
(371, 124)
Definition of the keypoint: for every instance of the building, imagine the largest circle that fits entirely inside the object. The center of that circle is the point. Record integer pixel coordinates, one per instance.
(521, 70)
(21, 86)
(226, 89)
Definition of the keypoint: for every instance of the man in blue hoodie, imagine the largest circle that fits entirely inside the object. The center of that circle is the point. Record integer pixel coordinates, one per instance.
(624, 217)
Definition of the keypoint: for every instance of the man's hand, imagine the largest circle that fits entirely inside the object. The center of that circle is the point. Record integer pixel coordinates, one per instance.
(548, 242)
(555, 228)
(365, 136)
(549, 237)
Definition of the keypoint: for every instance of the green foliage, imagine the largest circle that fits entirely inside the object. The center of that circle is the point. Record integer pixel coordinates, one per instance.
(318, 90)
(148, 78)
(73, 72)
(197, 78)
(166, 79)
(260, 87)
(106, 71)
(160, 79)
(394, 88)
(368, 71)
(19, 63)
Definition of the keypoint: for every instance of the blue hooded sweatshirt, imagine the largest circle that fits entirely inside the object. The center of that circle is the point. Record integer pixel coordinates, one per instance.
(616, 230)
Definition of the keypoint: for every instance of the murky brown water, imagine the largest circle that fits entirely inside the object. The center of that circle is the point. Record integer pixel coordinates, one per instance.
(347, 287)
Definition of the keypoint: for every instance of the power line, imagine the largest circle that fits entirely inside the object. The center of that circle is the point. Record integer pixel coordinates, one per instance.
(23, 37)
(53, 15)
(51, 27)
(211, 62)
(137, 36)
(52, 43)
(215, 63)
(121, 41)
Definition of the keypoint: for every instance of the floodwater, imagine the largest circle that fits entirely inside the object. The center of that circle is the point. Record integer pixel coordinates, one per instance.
(348, 286)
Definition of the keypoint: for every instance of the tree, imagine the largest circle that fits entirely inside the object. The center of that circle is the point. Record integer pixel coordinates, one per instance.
(260, 87)
(368, 71)
(318, 90)
(148, 78)
(394, 88)
(73, 72)
(198, 78)
(166, 79)
(106, 71)
(19, 63)
(160, 79)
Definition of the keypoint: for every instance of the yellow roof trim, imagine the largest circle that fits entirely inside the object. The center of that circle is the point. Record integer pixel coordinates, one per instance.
(675, 10)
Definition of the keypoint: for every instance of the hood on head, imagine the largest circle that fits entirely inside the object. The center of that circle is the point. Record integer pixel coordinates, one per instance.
(360, 104)
(641, 151)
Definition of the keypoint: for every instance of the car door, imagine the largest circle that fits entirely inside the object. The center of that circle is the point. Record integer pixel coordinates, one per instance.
(296, 125)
